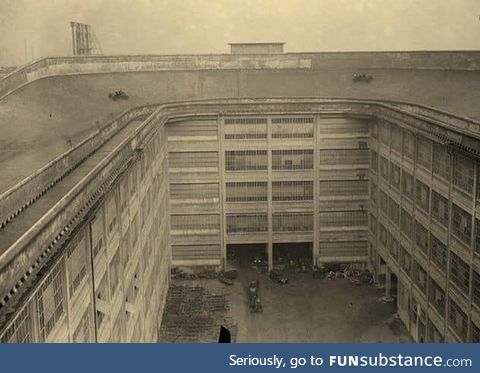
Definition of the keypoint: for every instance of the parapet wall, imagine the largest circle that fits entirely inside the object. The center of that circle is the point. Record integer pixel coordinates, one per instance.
(53, 66)
(19, 197)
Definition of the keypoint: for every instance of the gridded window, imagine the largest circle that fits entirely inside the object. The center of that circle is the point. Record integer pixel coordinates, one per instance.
(384, 168)
(111, 215)
(193, 191)
(421, 237)
(424, 152)
(383, 235)
(343, 218)
(245, 223)
(21, 330)
(292, 159)
(374, 161)
(393, 211)
(374, 130)
(477, 236)
(474, 333)
(343, 187)
(245, 128)
(420, 277)
(462, 224)
(192, 159)
(407, 185)
(373, 191)
(343, 248)
(459, 273)
(393, 246)
(433, 334)
(124, 196)
(440, 209)
(436, 297)
(343, 156)
(77, 262)
(373, 224)
(96, 226)
(289, 127)
(441, 161)
(422, 196)
(195, 222)
(463, 173)
(457, 320)
(406, 223)
(115, 272)
(249, 191)
(395, 176)
(476, 288)
(245, 160)
(439, 253)
(51, 301)
(383, 201)
(293, 222)
(134, 232)
(405, 260)
(292, 190)
(385, 133)
(82, 332)
(132, 181)
(408, 144)
(396, 138)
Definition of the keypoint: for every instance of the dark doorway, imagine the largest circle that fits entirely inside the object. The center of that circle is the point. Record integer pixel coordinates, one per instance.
(292, 252)
(246, 255)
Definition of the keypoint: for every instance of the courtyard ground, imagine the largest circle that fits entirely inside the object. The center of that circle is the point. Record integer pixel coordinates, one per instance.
(305, 310)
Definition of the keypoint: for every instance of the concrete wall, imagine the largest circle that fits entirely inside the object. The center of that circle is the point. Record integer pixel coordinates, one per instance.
(442, 79)
(426, 235)
(109, 280)
(47, 241)
(19, 197)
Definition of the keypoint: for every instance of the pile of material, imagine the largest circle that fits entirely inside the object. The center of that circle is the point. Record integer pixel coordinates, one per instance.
(338, 271)
(193, 314)
(177, 273)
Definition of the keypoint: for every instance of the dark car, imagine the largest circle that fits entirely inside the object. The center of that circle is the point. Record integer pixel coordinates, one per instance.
(118, 95)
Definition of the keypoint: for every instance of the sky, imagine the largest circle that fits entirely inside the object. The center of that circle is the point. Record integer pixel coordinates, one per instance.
(33, 28)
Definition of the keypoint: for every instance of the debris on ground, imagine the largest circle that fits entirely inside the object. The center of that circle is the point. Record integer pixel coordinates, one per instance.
(193, 314)
(225, 280)
(278, 277)
(206, 274)
(385, 299)
(335, 271)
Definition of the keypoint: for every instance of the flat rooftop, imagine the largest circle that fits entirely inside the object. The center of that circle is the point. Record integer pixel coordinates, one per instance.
(44, 118)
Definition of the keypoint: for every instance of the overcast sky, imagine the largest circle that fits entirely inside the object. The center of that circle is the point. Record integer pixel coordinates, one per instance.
(207, 26)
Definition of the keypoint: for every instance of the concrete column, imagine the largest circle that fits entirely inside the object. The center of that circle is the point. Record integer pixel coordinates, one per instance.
(316, 177)
(388, 282)
(222, 191)
(269, 194)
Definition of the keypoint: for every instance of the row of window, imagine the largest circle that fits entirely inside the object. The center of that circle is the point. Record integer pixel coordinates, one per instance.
(292, 159)
(252, 191)
(256, 128)
(461, 219)
(429, 155)
(281, 222)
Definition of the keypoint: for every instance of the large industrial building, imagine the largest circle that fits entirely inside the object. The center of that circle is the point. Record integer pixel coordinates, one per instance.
(357, 157)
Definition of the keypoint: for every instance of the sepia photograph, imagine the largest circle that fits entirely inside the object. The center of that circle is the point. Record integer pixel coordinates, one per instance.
(240, 171)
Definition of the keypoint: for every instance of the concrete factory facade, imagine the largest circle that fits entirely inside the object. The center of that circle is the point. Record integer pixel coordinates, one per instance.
(87, 242)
